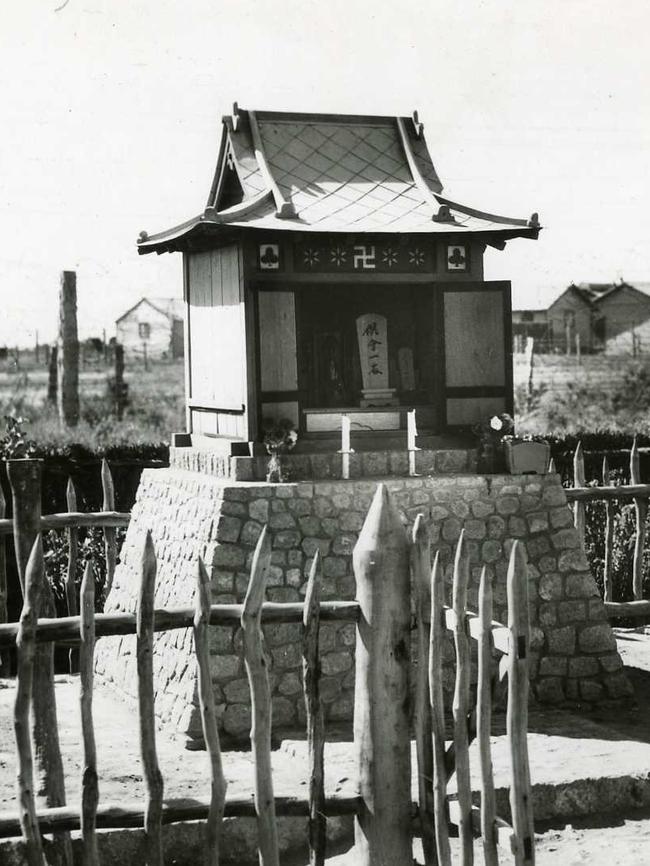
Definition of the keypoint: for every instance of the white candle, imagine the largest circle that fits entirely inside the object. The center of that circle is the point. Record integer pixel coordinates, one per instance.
(411, 430)
(345, 433)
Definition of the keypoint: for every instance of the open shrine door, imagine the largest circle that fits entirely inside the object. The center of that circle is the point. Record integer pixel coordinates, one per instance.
(476, 351)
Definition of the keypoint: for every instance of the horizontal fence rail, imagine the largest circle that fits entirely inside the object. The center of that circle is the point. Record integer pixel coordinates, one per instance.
(66, 628)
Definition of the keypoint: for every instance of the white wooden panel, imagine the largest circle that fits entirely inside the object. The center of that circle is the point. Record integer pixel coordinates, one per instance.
(204, 422)
(229, 347)
(474, 339)
(471, 410)
(277, 317)
(200, 325)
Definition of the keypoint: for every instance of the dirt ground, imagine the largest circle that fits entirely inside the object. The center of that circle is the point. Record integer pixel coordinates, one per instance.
(578, 763)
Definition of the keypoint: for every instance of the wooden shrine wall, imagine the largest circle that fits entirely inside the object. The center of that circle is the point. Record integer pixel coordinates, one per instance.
(278, 373)
(216, 357)
(477, 351)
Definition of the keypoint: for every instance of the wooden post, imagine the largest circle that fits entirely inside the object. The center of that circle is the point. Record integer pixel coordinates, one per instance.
(258, 678)
(110, 543)
(484, 720)
(381, 717)
(71, 572)
(578, 352)
(89, 783)
(436, 653)
(52, 375)
(314, 710)
(609, 537)
(641, 512)
(25, 480)
(25, 646)
(119, 381)
(460, 705)
(36, 349)
(5, 660)
(68, 355)
(144, 651)
(208, 716)
(421, 581)
(530, 360)
(517, 714)
(579, 481)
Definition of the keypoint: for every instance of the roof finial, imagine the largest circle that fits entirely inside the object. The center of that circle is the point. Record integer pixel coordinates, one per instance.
(533, 222)
(235, 117)
(419, 127)
(143, 236)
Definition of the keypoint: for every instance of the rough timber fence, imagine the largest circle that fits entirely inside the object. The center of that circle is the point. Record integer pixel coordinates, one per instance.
(636, 492)
(382, 807)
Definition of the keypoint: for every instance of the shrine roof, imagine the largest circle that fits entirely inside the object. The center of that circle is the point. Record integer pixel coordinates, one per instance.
(329, 173)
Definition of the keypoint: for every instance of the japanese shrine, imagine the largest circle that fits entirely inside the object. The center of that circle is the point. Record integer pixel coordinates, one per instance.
(329, 276)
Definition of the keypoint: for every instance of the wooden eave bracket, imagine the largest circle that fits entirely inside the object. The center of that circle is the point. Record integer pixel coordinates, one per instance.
(284, 209)
(211, 214)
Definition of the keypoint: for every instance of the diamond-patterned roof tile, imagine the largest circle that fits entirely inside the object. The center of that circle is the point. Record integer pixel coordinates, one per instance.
(340, 174)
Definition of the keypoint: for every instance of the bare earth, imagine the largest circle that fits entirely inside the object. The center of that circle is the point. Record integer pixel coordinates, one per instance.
(565, 750)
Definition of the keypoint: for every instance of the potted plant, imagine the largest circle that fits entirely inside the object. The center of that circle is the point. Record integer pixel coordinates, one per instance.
(491, 434)
(279, 438)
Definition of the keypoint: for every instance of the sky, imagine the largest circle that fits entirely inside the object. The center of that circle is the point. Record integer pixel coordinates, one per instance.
(111, 115)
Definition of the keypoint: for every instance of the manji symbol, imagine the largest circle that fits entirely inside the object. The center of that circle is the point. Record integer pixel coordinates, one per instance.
(364, 257)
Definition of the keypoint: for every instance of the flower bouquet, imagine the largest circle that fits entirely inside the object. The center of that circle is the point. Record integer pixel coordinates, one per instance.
(492, 434)
(279, 438)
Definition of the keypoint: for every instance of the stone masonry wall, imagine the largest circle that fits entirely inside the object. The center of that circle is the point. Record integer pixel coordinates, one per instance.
(574, 654)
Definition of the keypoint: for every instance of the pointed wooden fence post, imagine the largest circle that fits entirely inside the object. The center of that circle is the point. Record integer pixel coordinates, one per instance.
(381, 718)
(420, 572)
(517, 714)
(460, 705)
(25, 647)
(314, 712)
(258, 678)
(89, 783)
(208, 716)
(484, 721)
(609, 537)
(641, 512)
(144, 652)
(436, 689)
(110, 544)
(579, 481)
(71, 573)
(25, 480)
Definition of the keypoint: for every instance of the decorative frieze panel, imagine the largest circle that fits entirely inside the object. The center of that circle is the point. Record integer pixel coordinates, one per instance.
(337, 254)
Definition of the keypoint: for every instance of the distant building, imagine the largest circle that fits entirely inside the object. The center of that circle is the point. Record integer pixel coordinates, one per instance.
(153, 326)
(606, 317)
(529, 323)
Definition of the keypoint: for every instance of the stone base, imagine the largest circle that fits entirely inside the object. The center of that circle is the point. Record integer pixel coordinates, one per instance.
(193, 514)
(321, 466)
